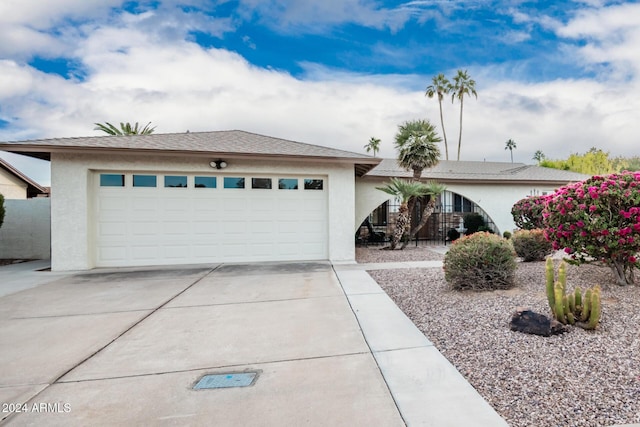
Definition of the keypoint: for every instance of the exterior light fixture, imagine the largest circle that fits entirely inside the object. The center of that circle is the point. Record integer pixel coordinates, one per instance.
(218, 164)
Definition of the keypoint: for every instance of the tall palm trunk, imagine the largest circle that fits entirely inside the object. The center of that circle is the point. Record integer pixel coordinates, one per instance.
(426, 213)
(444, 134)
(460, 134)
(402, 223)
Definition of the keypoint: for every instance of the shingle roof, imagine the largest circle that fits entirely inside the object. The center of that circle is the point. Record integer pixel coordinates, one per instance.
(33, 188)
(218, 143)
(223, 142)
(447, 170)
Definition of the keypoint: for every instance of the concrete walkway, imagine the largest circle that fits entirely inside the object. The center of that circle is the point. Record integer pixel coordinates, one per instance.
(126, 346)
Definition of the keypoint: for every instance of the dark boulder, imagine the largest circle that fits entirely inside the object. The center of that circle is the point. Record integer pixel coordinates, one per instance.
(525, 320)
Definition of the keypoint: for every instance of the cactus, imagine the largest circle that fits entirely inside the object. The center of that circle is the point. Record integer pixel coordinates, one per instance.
(594, 315)
(578, 300)
(586, 309)
(572, 308)
(558, 309)
(550, 285)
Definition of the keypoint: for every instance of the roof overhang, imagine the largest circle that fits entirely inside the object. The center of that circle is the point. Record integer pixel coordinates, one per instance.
(43, 152)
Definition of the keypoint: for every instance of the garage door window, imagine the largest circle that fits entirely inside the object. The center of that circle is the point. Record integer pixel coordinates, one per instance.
(313, 184)
(171, 181)
(111, 180)
(205, 182)
(144, 181)
(288, 184)
(232, 182)
(262, 183)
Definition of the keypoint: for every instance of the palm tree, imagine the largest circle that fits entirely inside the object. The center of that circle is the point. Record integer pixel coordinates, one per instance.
(538, 156)
(463, 85)
(416, 144)
(510, 145)
(373, 145)
(125, 129)
(434, 189)
(404, 191)
(440, 86)
(417, 150)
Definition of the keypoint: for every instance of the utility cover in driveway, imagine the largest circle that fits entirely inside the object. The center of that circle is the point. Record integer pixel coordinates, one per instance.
(226, 380)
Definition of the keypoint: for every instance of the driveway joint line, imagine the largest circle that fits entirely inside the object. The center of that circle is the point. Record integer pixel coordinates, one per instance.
(207, 368)
(249, 302)
(57, 379)
(54, 316)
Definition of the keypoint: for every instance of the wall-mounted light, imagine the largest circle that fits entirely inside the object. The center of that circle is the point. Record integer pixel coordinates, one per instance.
(218, 164)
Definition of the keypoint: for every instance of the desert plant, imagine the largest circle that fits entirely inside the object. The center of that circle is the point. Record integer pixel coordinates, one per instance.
(481, 261)
(572, 308)
(598, 220)
(472, 222)
(506, 234)
(527, 212)
(453, 235)
(531, 245)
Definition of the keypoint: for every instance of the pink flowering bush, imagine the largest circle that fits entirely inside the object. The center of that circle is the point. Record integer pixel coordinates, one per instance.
(598, 220)
(527, 213)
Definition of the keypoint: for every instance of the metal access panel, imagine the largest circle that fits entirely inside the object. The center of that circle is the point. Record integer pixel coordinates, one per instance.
(228, 380)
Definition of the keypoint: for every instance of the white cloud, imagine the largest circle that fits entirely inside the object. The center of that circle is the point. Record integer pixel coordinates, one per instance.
(318, 16)
(137, 75)
(612, 36)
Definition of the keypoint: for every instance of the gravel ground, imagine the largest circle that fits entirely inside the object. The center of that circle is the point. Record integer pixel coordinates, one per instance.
(410, 253)
(580, 378)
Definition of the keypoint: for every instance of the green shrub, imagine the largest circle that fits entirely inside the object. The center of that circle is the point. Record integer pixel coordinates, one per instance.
(506, 235)
(472, 222)
(481, 261)
(531, 245)
(1, 210)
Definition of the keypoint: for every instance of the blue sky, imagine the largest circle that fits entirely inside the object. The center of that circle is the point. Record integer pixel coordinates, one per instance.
(560, 77)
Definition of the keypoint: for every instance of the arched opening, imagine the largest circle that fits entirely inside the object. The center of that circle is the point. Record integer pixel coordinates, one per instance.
(451, 211)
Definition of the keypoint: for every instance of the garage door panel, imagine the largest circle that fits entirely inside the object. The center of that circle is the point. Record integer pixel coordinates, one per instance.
(150, 226)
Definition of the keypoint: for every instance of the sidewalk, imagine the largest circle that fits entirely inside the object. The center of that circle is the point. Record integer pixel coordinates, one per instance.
(426, 387)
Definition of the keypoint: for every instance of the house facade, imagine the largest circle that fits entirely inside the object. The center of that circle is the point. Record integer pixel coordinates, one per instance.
(234, 196)
(206, 197)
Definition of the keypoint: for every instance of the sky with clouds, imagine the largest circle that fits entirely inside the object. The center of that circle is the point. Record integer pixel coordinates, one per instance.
(560, 77)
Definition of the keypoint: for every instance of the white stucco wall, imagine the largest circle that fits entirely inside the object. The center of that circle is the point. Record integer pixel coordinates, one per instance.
(12, 187)
(72, 233)
(26, 231)
(495, 199)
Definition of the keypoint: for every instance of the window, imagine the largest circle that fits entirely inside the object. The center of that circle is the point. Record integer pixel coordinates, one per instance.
(263, 183)
(313, 184)
(175, 181)
(288, 184)
(379, 216)
(231, 182)
(144, 181)
(461, 204)
(205, 182)
(111, 180)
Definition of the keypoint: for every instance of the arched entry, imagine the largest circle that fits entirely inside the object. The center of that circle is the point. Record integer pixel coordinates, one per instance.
(450, 211)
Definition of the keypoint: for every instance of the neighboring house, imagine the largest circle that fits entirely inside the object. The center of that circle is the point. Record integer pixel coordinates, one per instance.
(16, 185)
(228, 196)
(234, 196)
(489, 188)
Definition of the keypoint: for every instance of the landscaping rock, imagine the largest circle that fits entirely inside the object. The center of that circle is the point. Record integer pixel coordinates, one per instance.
(529, 322)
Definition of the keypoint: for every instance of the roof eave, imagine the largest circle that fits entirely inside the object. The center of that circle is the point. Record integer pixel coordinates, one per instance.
(363, 164)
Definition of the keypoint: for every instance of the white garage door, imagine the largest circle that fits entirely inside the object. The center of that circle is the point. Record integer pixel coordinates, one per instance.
(152, 219)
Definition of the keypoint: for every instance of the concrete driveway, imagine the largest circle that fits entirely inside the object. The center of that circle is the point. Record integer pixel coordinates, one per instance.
(125, 347)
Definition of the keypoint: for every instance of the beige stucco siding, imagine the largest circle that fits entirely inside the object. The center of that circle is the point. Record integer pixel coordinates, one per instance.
(72, 201)
(12, 187)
